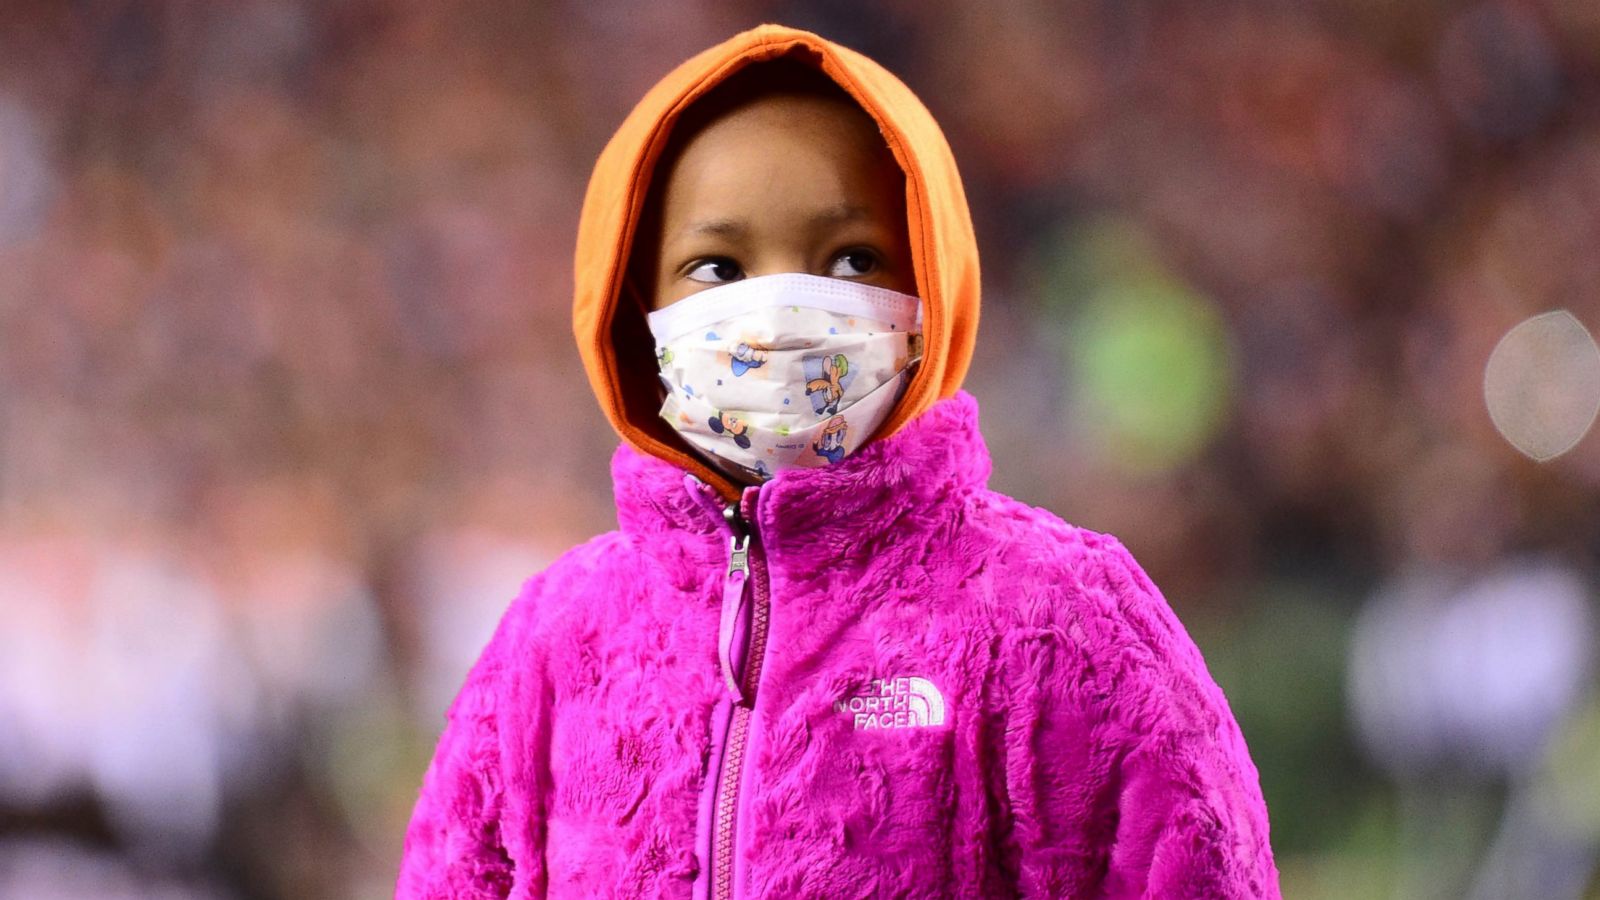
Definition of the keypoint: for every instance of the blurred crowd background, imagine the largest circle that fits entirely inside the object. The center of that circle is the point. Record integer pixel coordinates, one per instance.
(1294, 297)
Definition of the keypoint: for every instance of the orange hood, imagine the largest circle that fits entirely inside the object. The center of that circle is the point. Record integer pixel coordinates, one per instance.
(944, 251)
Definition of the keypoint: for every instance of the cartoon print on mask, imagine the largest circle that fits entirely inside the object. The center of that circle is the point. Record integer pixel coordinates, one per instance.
(747, 357)
(827, 377)
(762, 470)
(736, 428)
(830, 444)
(663, 356)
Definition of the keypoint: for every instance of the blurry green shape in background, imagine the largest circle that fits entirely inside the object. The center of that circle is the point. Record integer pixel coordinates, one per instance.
(1148, 356)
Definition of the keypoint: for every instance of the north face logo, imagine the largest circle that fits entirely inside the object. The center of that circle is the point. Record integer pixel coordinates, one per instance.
(907, 702)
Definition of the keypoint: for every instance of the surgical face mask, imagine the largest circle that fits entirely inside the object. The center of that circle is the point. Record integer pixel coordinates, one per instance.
(784, 371)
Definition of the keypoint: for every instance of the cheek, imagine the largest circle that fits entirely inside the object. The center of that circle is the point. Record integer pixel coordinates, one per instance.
(900, 277)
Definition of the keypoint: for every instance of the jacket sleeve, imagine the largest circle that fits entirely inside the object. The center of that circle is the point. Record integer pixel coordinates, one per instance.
(467, 838)
(1126, 772)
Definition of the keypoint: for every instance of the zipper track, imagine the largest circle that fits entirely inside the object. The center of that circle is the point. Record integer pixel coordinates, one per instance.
(727, 804)
(724, 844)
(760, 616)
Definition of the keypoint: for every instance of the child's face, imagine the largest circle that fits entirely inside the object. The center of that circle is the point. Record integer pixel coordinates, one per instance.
(782, 184)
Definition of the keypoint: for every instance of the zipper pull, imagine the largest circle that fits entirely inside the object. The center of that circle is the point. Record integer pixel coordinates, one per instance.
(732, 609)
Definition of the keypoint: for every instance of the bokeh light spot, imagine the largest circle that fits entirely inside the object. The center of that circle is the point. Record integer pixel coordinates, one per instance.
(1542, 384)
(1152, 367)
(1149, 356)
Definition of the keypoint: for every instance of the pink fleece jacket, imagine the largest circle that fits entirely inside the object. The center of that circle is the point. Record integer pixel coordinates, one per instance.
(905, 685)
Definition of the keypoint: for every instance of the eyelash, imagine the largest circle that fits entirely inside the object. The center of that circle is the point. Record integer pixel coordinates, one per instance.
(874, 262)
(699, 264)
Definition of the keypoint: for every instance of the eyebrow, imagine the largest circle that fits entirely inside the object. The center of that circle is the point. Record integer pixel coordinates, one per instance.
(729, 228)
(738, 228)
(840, 212)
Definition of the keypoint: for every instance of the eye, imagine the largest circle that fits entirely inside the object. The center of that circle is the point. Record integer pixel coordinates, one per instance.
(715, 270)
(853, 264)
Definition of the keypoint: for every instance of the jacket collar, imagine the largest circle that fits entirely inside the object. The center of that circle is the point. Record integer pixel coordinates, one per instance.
(890, 483)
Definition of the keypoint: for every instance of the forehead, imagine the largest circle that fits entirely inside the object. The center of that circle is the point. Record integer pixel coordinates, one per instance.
(834, 121)
(783, 148)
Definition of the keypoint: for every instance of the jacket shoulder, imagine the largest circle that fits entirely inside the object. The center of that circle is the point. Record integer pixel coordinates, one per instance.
(549, 600)
(471, 833)
(1051, 562)
(1100, 677)
(1082, 594)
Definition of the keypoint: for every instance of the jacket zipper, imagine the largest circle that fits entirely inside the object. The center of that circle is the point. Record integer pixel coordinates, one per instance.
(745, 582)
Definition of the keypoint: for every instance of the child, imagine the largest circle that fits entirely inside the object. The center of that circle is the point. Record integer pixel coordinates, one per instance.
(819, 658)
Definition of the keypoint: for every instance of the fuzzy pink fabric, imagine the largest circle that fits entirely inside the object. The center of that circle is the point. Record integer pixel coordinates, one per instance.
(1085, 751)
